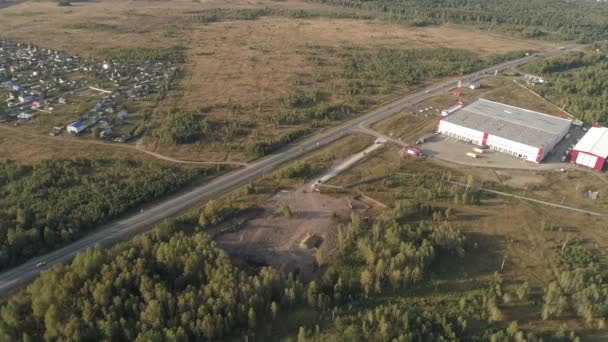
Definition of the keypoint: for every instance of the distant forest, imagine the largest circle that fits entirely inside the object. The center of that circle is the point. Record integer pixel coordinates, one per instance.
(577, 81)
(578, 20)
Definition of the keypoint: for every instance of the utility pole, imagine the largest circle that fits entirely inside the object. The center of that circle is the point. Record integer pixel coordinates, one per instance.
(459, 86)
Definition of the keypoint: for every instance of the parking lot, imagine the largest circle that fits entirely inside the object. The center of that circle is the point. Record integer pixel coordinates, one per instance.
(454, 150)
(565, 146)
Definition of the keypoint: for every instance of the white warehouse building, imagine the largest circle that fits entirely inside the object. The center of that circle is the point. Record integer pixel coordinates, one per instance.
(516, 131)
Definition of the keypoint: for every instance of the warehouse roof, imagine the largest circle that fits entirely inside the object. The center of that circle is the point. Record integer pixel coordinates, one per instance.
(517, 124)
(594, 142)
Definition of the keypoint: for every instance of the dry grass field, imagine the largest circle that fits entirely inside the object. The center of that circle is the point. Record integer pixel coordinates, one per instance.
(235, 70)
(253, 62)
(27, 147)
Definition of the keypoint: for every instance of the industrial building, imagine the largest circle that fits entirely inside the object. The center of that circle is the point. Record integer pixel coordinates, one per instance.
(592, 150)
(516, 131)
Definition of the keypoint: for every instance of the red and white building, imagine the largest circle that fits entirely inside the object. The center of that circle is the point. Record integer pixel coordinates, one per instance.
(516, 131)
(592, 150)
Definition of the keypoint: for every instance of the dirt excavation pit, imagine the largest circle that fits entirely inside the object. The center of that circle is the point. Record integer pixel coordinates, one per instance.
(290, 241)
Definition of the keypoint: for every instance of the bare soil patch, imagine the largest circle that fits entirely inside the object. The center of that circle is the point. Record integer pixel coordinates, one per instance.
(290, 243)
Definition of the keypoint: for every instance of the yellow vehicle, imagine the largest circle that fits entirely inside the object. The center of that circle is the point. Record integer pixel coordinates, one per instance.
(472, 155)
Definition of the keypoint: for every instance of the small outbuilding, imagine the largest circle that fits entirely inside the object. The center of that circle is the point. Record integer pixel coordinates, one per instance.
(592, 150)
(76, 127)
(106, 133)
(25, 116)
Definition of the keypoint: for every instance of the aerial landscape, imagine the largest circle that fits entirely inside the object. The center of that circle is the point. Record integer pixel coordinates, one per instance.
(304, 170)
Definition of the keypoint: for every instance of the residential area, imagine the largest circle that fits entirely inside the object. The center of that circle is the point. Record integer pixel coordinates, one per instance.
(37, 82)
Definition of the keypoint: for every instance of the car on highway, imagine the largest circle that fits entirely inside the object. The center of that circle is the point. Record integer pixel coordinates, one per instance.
(41, 264)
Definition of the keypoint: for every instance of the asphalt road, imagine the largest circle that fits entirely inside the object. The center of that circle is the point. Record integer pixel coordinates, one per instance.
(20, 276)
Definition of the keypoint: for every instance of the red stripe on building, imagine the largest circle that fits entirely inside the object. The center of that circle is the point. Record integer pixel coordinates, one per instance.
(539, 155)
(484, 140)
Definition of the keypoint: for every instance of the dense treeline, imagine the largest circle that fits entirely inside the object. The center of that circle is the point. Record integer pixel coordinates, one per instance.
(388, 253)
(263, 148)
(581, 20)
(580, 287)
(303, 171)
(469, 319)
(366, 72)
(407, 67)
(577, 81)
(175, 54)
(315, 115)
(163, 286)
(224, 14)
(53, 202)
(179, 127)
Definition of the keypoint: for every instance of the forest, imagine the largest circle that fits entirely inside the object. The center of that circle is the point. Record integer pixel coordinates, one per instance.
(364, 72)
(578, 82)
(50, 203)
(162, 286)
(580, 287)
(175, 284)
(584, 21)
(174, 54)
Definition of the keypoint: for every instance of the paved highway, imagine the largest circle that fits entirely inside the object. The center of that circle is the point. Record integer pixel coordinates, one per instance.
(17, 277)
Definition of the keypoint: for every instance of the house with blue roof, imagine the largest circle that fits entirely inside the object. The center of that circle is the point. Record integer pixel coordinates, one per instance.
(76, 127)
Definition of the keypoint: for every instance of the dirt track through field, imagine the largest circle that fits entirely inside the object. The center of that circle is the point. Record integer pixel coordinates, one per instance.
(555, 205)
(81, 143)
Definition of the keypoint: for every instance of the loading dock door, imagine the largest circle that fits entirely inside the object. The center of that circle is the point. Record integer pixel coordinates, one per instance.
(586, 160)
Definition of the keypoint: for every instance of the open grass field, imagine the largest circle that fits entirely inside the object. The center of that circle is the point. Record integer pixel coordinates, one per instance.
(240, 66)
(22, 146)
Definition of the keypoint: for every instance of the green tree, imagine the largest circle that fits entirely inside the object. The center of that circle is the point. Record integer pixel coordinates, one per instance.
(302, 335)
(367, 281)
(96, 132)
(286, 210)
(251, 318)
(274, 309)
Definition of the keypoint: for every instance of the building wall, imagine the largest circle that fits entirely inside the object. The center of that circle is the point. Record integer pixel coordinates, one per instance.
(460, 132)
(530, 153)
(551, 144)
(583, 159)
(519, 150)
(496, 143)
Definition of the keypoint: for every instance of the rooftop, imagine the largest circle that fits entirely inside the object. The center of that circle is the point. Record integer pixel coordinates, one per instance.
(517, 124)
(594, 142)
(76, 124)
